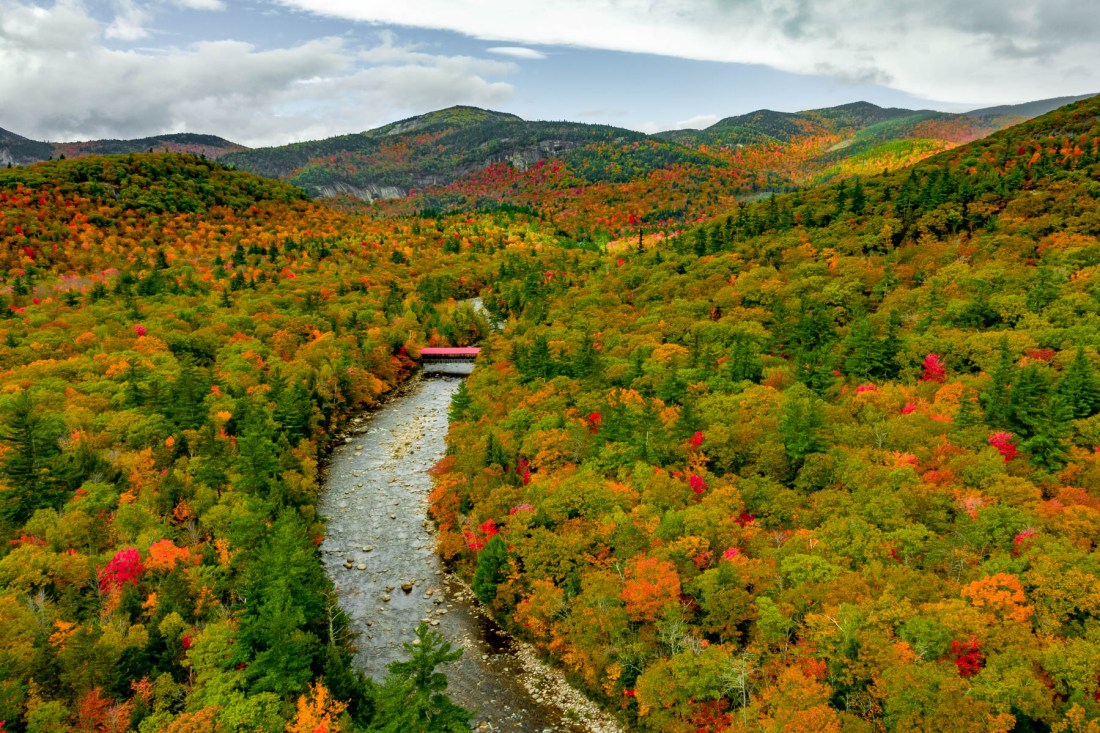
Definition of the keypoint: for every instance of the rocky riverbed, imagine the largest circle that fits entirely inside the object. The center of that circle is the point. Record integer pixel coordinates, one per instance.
(379, 552)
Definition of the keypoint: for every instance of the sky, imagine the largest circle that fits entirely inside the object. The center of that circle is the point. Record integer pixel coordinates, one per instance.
(264, 72)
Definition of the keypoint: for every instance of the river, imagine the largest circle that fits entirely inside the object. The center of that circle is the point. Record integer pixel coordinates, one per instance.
(379, 552)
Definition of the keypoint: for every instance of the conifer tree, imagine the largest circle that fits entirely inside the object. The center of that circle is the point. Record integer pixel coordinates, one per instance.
(32, 438)
(1048, 433)
(1028, 401)
(858, 198)
(864, 351)
(257, 465)
(800, 425)
(489, 571)
(460, 403)
(744, 360)
(494, 452)
(586, 361)
(413, 699)
(995, 399)
(1079, 387)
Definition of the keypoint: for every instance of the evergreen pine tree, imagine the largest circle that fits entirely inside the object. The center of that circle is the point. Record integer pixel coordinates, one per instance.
(494, 452)
(490, 569)
(284, 604)
(841, 196)
(32, 439)
(586, 361)
(687, 422)
(799, 427)
(995, 398)
(1028, 400)
(293, 411)
(460, 403)
(700, 241)
(257, 457)
(744, 360)
(967, 415)
(412, 698)
(1046, 445)
(186, 406)
(859, 199)
(864, 351)
(1079, 387)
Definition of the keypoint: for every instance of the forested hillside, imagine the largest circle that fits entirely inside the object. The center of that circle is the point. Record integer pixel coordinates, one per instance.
(830, 461)
(825, 460)
(178, 344)
(603, 183)
(18, 150)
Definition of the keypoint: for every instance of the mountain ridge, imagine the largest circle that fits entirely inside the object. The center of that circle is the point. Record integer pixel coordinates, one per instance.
(462, 157)
(18, 150)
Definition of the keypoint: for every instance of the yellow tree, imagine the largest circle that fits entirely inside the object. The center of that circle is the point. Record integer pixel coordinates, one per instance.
(317, 712)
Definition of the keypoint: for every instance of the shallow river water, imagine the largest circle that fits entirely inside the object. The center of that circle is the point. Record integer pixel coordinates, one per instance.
(379, 552)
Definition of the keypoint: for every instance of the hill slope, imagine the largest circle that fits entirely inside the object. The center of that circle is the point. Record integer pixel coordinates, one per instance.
(599, 181)
(178, 343)
(18, 150)
(857, 138)
(829, 463)
(440, 148)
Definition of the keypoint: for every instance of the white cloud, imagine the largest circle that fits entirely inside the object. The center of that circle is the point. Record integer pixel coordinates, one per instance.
(974, 51)
(517, 52)
(200, 4)
(133, 18)
(130, 21)
(61, 80)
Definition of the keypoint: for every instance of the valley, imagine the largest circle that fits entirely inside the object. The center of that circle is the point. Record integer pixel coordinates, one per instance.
(786, 424)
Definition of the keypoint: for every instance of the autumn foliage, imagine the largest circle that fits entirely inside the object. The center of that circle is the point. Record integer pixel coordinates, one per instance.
(892, 521)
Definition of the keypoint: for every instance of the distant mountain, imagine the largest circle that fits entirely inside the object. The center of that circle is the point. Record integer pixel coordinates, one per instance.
(442, 147)
(1027, 110)
(18, 150)
(184, 142)
(778, 150)
(765, 125)
(769, 126)
(858, 138)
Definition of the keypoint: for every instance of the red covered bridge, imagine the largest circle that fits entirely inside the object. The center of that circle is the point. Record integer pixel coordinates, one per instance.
(436, 355)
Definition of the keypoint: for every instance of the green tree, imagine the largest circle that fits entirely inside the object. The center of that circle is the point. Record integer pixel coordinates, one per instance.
(494, 452)
(1049, 429)
(257, 456)
(744, 359)
(800, 426)
(412, 698)
(995, 399)
(285, 608)
(293, 410)
(1079, 387)
(32, 438)
(1028, 400)
(858, 198)
(865, 353)
(460, 403)
(490, 569)
(186, 407)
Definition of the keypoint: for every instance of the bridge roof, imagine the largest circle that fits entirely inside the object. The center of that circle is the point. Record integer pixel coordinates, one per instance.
(459, 351)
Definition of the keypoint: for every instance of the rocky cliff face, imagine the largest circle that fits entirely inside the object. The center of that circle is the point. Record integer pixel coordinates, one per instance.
(18, 150)
(524, 158)
(521, 159)
(366, 193)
